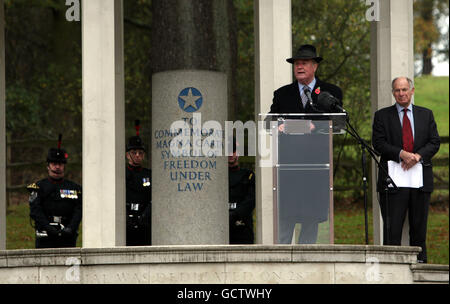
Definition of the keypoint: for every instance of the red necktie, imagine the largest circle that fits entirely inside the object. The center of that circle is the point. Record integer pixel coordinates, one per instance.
(408, 141)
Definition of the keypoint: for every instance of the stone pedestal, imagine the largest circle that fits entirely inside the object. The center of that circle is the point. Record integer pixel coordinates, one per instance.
(220, 264)
(189, 179)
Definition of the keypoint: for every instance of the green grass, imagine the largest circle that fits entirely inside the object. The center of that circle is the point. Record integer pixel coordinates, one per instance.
(348, 229)
(19, 233)
(433, 93)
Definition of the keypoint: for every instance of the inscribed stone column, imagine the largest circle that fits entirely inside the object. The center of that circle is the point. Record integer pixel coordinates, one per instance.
(2, 131)
(189, 59)
(103, 124)
(392, 55)
(189, 190)
(273, 44)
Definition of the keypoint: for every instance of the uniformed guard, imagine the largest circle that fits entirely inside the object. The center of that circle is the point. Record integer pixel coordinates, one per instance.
(241, 200)
(138, 193)
(55, 204)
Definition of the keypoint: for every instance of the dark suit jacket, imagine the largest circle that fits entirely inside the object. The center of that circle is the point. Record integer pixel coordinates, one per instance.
(387, 140)
(287, 98)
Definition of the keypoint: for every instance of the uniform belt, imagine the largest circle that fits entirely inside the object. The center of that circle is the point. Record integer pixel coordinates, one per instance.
(57, 219)
(43, 233)
(136, 206)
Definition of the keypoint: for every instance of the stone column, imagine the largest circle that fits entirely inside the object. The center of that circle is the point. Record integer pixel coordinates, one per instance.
(273, 44)
(2, 131)
(189, 190)
(392, 55)
(103, 124)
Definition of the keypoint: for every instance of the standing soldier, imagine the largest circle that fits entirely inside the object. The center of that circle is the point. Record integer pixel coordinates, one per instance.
(139, 195)
(241, 183)
(55, 204)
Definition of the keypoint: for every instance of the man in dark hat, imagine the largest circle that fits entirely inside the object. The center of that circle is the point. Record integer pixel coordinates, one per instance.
(301, 96)
(55, 204)
(294, 97)
(138, 193)
(241, 183)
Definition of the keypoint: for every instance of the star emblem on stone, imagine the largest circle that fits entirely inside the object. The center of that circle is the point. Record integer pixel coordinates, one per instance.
(190, 99)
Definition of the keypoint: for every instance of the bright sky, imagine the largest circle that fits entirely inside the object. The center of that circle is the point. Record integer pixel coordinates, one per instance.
(440, 68)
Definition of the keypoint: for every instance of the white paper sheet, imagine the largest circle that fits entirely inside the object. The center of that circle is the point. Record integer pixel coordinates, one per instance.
(412, 178)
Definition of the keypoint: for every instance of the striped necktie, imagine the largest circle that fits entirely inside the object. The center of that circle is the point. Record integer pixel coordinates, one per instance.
(304, 98)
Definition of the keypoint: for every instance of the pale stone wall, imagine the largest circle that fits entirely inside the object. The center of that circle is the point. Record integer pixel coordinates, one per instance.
(273, 44)
(261, 264)
(103, 124)
(392, 55)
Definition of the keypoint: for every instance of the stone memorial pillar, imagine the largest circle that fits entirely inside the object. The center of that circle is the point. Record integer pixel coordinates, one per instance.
(392, 55)
(103, 124)
(2, 131)
(273, 44)
(189, 173)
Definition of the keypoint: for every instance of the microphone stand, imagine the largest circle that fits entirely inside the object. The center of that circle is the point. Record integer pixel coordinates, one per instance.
(388, 181)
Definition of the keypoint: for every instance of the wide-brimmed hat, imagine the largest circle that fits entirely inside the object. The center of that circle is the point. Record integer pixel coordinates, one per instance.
(306, 51)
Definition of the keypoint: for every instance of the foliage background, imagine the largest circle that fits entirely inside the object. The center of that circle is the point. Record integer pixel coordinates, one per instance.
(44, 85)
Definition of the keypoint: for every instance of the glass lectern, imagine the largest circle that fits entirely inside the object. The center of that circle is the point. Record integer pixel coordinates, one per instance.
(302, 154)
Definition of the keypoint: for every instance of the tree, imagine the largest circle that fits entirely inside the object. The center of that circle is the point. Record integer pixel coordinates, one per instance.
(137, 62)
(427, 30)
(43, 71)
(341, 35)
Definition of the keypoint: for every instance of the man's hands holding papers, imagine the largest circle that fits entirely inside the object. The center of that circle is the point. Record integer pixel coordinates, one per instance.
(409, 159)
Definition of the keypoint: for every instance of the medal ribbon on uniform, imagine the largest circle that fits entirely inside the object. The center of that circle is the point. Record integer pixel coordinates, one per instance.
(72, 194)
(146, 181)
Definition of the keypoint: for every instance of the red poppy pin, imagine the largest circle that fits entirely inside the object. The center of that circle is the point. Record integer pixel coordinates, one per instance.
(317, 91)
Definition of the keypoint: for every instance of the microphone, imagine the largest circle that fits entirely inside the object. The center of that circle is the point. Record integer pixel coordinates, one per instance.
(329, 103)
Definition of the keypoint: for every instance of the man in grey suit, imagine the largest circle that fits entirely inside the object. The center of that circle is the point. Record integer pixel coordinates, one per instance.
(406, 134)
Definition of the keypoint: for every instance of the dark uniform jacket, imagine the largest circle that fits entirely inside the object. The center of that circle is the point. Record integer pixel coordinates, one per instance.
(242, 202)
(138, 205)
(53, 202)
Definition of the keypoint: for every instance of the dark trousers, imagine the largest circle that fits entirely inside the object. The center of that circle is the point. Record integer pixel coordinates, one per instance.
(241, 235)
(56, 242)
(308, 232)
(141, 236)
(139, 231)
(416, 204)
